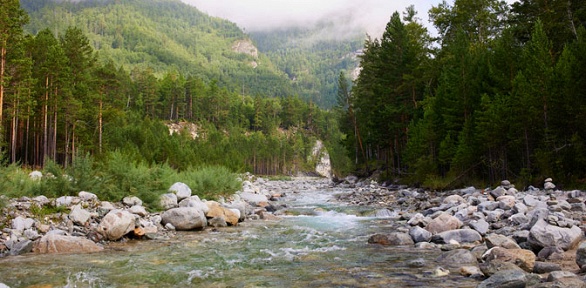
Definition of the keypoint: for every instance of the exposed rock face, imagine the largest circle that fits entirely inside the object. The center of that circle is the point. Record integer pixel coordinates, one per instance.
(53, 243)
(245, 47)
(321, 156)
(116, 224)
(185, 218)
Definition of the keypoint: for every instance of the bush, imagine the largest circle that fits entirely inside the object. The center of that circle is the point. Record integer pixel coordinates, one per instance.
(211, 182)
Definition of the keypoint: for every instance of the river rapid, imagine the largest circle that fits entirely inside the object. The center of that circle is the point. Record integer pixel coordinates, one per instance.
(318, 242)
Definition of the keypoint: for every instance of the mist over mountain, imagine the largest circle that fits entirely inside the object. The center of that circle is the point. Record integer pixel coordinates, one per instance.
(348, 16)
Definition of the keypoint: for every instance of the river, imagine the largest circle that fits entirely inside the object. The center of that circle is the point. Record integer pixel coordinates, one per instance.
(319, 242)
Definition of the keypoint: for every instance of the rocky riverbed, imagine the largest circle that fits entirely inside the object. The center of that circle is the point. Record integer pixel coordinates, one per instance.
(499, 236)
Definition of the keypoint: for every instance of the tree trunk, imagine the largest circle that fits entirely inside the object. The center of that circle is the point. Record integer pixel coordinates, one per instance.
(100, 125)
(45, 123)
(2, 69)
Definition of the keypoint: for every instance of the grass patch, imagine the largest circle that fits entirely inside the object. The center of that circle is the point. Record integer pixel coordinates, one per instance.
(279, 178)
(211, 182)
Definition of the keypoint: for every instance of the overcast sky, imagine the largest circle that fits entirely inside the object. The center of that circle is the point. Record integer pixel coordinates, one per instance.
(370, 15)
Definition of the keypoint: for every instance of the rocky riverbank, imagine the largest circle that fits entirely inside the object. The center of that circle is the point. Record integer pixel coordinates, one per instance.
(502, 237)
(83, 223)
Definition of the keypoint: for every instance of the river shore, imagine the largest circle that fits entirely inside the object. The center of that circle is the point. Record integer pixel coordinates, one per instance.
(499, 236)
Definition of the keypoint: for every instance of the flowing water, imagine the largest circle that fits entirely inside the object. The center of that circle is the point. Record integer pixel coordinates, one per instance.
(323, 245)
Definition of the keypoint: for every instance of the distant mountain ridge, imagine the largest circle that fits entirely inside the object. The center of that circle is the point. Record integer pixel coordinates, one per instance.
(165, 35)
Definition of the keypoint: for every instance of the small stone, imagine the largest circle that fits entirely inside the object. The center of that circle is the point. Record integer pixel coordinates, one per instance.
(480, 225)
(581, 255)
(497, 240)
(138, 210)
(441, 272)
(548, 186)
(416, 263)
(419, 234)
(545, 267)
(217, 222)
(79, 215)
(471, 271)
(87, 196)
(131, 201)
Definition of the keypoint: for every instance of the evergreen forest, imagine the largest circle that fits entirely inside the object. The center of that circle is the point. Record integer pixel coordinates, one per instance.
(126, 96)
(104, 125)
(499, 93)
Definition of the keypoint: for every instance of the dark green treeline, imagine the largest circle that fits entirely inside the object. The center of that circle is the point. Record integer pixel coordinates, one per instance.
(61, 100)
(500, 93)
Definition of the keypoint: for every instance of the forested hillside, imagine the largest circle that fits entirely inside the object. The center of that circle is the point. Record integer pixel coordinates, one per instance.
(312, 57)
(66, 103)
(162, 35)
(500, 94)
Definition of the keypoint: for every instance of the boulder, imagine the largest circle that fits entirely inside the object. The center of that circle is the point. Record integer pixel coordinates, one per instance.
(480, 225)
(253, 198)
(116, 224)
(543, 235)
(87, 196)
(492, 267)
(443, 222)
(457, 258)
(54, 243)
(185, 218)
(506, 202)
(238, 205)
(505, 279)
(216, 210)
(454, 199)
(497, 240)
(79, 215)
(195, 202)
(168, 201)
(419, 234)
(581, 255)
(525, 259)
(20, 223)
(392, 239)
(498, 192)
(64, 201)
(545, 267)
(21, 247)
(181, 190)
(459, 235)
(217, 222)
(419, 220)
(138, 210)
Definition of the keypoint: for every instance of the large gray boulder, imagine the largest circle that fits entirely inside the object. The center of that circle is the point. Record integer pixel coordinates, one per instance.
(459, 236)
(543, 235)
(181, 190)
(525, 259)
(185, 218)
(131, 201)
(116, 224)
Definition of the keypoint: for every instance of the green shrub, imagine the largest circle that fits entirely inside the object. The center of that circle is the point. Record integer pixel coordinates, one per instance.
(211, 182)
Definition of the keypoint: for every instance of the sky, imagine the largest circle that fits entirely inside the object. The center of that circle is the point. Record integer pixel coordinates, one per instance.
(369, 15)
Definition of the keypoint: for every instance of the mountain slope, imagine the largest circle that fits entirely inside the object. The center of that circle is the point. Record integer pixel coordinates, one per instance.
(312, 57)
(164, 35)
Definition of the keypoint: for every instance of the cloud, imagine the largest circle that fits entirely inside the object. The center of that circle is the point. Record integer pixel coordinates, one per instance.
(370, 16)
